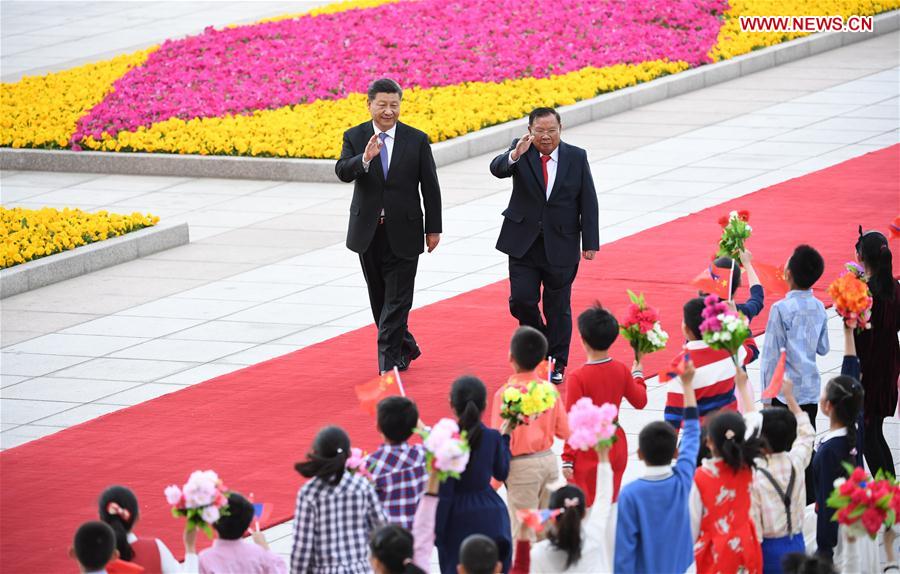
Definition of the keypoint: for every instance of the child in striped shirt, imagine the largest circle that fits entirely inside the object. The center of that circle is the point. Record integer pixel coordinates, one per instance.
(714, 378)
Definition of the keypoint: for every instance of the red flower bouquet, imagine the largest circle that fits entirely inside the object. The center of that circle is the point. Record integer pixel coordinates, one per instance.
(864, 504)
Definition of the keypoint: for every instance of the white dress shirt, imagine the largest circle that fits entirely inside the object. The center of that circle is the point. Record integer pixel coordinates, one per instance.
(551, 168)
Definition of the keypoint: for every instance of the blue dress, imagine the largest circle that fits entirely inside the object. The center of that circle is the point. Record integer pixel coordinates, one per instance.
(470, 505)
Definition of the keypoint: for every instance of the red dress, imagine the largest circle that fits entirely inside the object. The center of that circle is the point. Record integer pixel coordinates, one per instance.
(727, 542)
(606, 381)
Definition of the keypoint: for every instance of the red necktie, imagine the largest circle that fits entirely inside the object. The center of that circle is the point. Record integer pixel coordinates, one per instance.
(544, 160)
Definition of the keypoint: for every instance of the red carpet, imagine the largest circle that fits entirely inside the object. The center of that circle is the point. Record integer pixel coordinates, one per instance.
(252, 425)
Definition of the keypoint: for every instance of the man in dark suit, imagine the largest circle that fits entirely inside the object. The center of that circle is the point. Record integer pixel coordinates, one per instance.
(553, 206)
(388, 162)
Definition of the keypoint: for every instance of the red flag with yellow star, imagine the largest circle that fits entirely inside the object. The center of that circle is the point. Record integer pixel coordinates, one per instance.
(714, 280)
(369, 394)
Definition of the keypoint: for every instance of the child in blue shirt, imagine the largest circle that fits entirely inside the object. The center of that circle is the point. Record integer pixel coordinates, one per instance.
(655, 507)
(798, 324)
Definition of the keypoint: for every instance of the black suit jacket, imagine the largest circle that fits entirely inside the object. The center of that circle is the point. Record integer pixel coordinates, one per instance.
(568, 215)
(411, 165)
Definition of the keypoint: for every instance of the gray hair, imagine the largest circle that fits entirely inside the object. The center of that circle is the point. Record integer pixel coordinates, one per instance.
(384, 86)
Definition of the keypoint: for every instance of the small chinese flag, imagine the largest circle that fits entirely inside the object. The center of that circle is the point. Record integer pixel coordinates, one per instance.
(895, 228)
(774, 387)
(676, 369)
(772, 280)
(714, 280)
(369, 394)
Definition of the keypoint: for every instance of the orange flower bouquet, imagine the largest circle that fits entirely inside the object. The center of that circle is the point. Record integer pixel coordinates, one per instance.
(852, 300)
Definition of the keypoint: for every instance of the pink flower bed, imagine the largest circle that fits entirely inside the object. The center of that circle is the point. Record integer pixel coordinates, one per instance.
(425, 43)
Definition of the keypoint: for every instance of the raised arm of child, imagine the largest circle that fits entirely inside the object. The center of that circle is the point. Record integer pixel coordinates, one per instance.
(756, 302)
(423, 524)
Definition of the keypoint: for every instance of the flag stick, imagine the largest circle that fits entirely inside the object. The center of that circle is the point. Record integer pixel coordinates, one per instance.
(399, 382)
(730, 277)
(550, 370)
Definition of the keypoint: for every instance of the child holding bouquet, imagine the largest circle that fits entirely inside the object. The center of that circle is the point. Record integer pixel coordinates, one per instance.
(469, 505)
(878, 349)
(603, 380)
(534, 467)
(715, 368)
(337, 510)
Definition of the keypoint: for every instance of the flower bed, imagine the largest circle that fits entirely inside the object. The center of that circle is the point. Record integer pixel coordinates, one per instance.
(30, 234)
(289, 87)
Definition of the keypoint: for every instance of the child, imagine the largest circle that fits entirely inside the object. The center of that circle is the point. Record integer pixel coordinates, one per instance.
(798, 323)
(229, 554)
(469, 505)
(714, 378)
(478, 554)
(392, 551)
(603, 380)
(779, 483)
(653, 531)
(118, 507)
(336, 510)
(94, 547)
(720, 502)
(534, 467)
(570, 545)
(841, 403)
(879, 352)
(398, 468)
(755, 304)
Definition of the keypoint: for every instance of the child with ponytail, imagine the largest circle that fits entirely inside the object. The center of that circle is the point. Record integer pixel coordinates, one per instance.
(118, 508)
(877, 347)
(469, 505)
(841, 402)
(720, 502)
(570, 546)
(392, 551)
(337, 510)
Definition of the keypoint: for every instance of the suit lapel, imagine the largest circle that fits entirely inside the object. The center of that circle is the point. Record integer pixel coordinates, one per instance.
(400, 141)
(562, 164)
(533, 158)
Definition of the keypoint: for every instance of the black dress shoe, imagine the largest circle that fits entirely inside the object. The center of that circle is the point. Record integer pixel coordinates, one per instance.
(558, 374)
(410, 357)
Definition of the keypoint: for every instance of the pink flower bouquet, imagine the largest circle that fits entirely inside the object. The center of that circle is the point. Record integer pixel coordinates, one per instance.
(642, 327)
(592, 426)
(723, 328)
(356, 463)
(446, 449)
(202, 500)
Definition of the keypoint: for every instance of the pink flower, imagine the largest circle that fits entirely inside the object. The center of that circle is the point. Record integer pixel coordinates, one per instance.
(173, 495)
(210, 514)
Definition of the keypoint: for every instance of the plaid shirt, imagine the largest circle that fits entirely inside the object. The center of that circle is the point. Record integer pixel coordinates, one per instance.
(797, 323)
(768, 508)
(400, 477)
(332, 525)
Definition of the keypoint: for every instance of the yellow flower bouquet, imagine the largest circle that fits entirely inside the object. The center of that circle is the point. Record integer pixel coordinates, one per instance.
(525, 401)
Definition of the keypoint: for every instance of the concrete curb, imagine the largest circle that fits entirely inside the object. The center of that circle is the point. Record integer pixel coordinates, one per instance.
(81, 260)
(494, 138)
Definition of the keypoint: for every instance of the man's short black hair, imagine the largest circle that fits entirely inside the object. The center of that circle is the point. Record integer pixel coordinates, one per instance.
(779, 428)
(384, 86)
(598, 327)
(528, 347)
(729, 263)
(537, 113)
(657, 442)
(94, 544)
(806, 265)
(693, 315)
(478, 554)
(397, 417)
(233, 525)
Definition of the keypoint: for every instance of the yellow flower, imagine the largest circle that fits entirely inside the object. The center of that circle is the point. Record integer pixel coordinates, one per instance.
(512, 395)
(33, 233)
